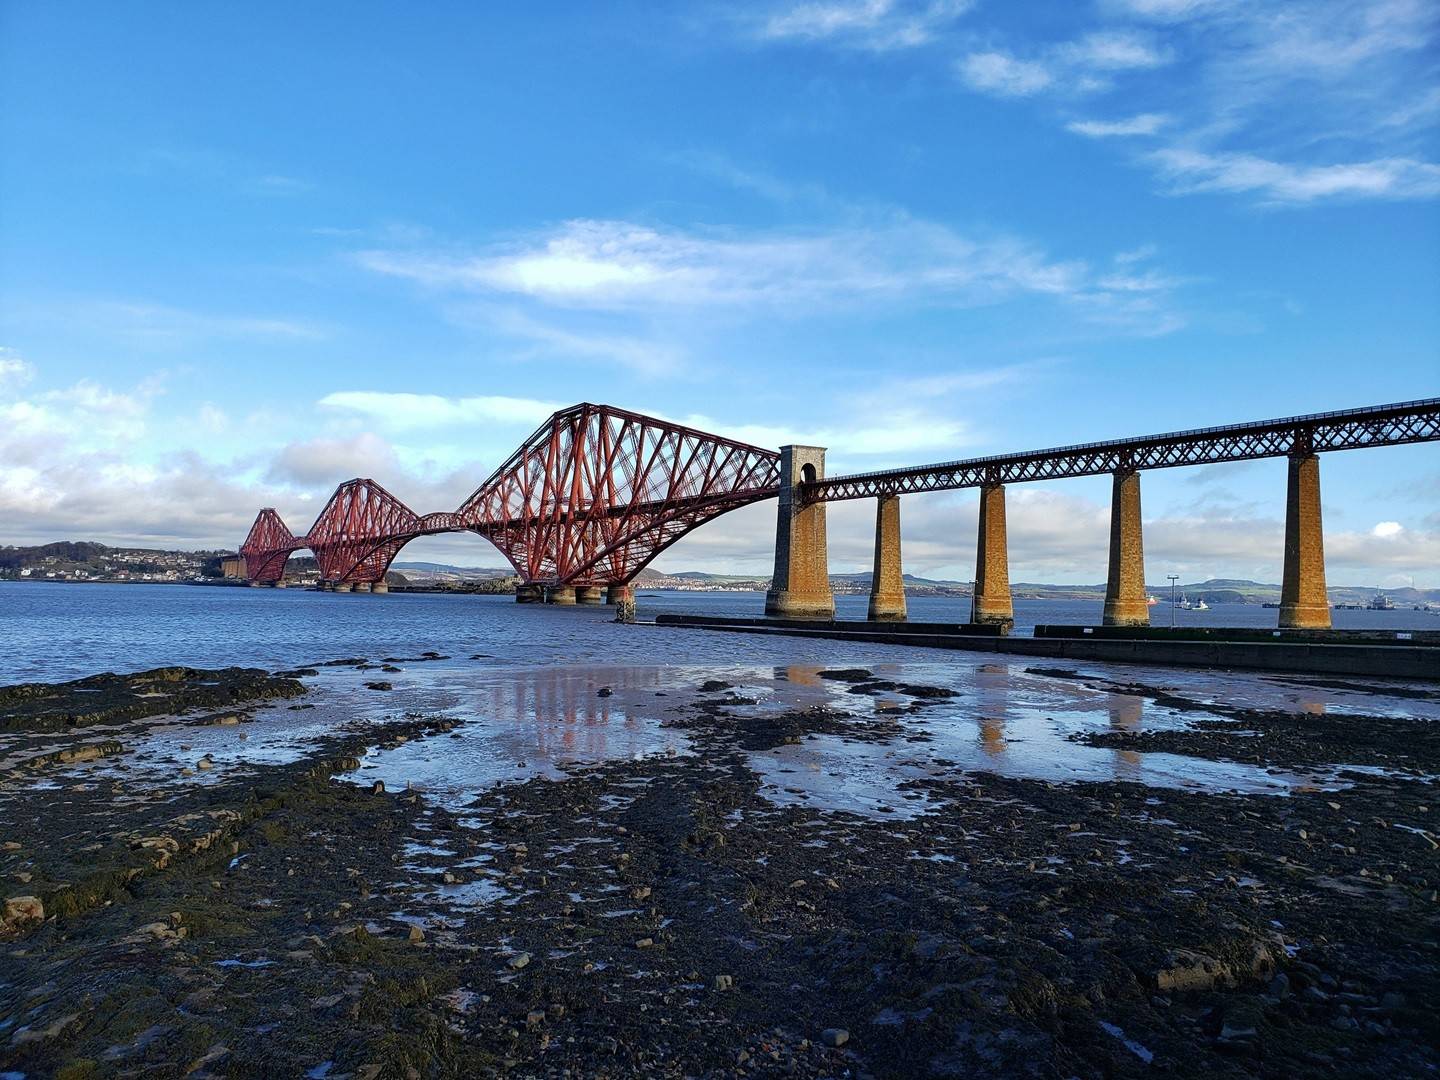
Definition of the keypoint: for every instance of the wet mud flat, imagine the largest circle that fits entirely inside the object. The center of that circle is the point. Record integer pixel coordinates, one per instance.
(671, 916)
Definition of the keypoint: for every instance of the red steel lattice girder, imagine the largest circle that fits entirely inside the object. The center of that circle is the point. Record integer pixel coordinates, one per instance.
(590, 498)
(597, 492)
(1350, 429)
(268, 546)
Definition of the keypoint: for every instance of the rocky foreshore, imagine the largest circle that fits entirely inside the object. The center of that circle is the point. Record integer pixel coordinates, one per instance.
(663, 917)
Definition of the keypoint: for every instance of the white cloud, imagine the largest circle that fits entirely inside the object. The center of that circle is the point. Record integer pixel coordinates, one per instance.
(14, 370)
(1191, 171)
(1116, 50)
(1140, 124)
(871, 24)
(422, 412)
(1168, 10)
(637, 275)
(1003, 74)
(1387, 530)
(621, 266)
(1134, 255)
(326, 462)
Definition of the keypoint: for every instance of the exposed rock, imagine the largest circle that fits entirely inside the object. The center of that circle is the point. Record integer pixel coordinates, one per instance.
(22, 912)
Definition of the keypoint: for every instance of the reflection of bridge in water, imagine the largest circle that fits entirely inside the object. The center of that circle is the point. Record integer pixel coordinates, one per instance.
(596, 493)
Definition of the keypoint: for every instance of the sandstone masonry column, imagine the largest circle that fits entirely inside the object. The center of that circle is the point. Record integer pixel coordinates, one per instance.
(380, 587)
(1125, 601)
(887, 585)
(560, 594)
(587, 594)
(1304, 604)
(362, 586)
(617, 594)
(527, 593)
(800, 588)
(992, 561)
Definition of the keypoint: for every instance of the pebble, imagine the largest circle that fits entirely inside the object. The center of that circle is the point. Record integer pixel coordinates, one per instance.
(724, 982)
(378, 788)
(519, 960)
(204, 763)
(644, 943)
(535, 1017)
(835, 1037)
(416, 934)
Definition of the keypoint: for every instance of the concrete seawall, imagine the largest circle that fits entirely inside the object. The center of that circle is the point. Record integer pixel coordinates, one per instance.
(1386, 661)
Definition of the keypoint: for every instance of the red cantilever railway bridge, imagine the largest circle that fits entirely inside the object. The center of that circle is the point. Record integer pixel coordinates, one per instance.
(597, 492)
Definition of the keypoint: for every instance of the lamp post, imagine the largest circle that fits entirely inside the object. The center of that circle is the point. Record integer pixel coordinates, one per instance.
(1173, 578)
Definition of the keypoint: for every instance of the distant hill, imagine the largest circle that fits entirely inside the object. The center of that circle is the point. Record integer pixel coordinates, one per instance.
(447, 568)
(1212, 590)
(86, 560)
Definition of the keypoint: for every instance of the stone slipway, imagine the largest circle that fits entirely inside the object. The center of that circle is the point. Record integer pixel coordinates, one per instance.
(1310, 657)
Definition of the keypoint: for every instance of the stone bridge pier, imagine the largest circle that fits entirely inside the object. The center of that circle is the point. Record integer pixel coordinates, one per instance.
(800, 588)
(1125, 601)
(991, 603)
(1304, 603)
(887, 581)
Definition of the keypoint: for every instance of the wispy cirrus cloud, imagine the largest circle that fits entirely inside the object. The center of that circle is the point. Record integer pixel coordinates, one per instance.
(1115, 50)
(1000, 73)
(879, 25)
(1140, 124)
(1284, 101)
(629, 268)
(1191, 171)
(1082, 66)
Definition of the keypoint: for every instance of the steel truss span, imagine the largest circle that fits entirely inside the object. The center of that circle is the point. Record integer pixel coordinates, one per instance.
(590, 498)
(1381, 425)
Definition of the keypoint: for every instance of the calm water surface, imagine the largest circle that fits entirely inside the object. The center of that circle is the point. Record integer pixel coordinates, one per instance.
(51, 632)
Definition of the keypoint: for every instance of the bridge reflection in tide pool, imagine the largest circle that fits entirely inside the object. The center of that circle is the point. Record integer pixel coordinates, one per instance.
(528, 722)
(528, 681)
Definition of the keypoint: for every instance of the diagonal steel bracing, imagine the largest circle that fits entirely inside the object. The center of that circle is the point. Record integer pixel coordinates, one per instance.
(597, 492)
(590, 498)
(1381, 425)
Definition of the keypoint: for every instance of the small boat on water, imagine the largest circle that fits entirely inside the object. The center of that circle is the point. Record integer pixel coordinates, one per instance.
(1151, 601)
(1201, 605)
(1380, 602)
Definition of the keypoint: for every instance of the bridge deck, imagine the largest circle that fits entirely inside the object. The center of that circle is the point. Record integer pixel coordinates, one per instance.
(1350, 429)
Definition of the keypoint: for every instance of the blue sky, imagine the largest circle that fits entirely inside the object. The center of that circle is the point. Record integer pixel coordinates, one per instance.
(249, 251)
